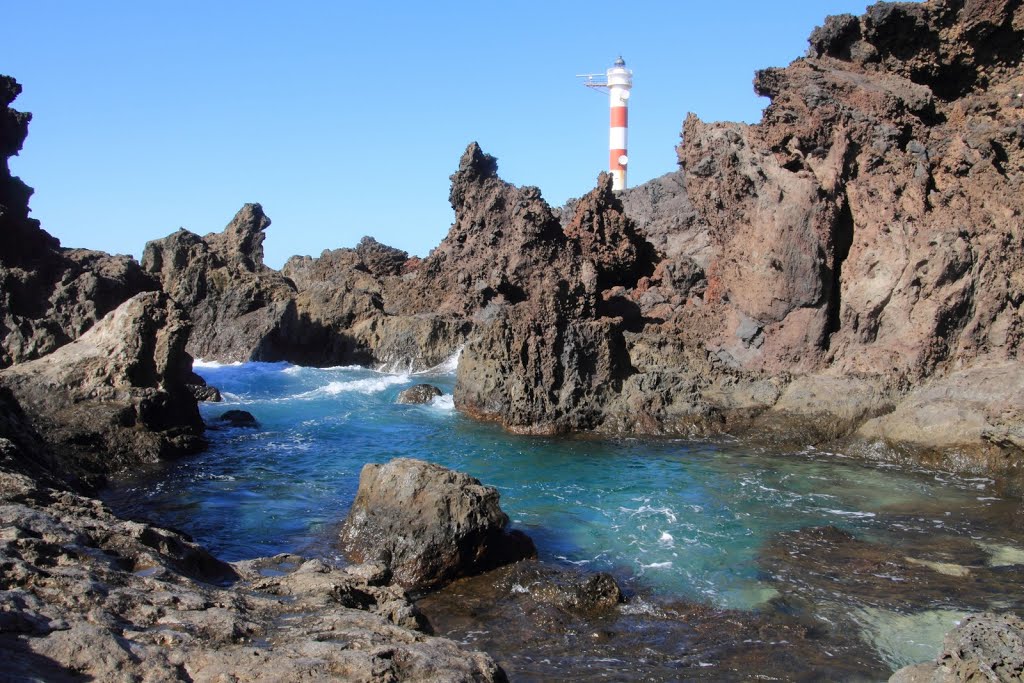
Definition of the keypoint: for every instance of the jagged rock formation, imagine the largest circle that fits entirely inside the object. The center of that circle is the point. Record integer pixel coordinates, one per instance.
(48, 295)
(115, 397)
(863, 240)
(428, 525)
(866, 233)
(240, 308)
(549, 353)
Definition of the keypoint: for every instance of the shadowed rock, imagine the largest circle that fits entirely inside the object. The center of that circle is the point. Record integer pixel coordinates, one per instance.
(240, 309)
(238, 418)
(48, 295)
(116, 396)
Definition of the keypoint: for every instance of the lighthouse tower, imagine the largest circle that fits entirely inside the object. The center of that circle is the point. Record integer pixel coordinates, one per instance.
(617, 82)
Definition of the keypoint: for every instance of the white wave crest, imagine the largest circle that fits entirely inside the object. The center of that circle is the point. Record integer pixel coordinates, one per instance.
(444, 402)
(369, 385)
(200, 363)
(852, 513)
(657, 565)
(446, 367)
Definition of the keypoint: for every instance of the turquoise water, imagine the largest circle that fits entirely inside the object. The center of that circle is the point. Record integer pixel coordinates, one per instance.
(670, 517)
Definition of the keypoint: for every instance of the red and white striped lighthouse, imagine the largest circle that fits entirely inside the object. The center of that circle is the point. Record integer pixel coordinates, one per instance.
(620, 82)
(617, 81)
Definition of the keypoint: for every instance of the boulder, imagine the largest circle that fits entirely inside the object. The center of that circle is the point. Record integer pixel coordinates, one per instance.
(117, 395)
(419, 393)
(428, 524)
(238, 418)
(89, 595)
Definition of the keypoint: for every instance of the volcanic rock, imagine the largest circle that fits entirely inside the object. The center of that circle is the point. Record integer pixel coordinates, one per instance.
(420, 393)
(984, 647)
(240, 309)
(238, 418)
(48, 295)
(117, 395)
(428, 524)
(89, 595)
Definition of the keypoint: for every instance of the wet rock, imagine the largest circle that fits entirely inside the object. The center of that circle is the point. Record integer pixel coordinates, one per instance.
(529, 617)
(984, 647)
(428, 524)
(420, 393)
(90, 595)
(238, 418)
(205, 392)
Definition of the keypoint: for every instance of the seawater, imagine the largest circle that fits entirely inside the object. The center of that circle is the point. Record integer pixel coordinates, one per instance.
(675, 518)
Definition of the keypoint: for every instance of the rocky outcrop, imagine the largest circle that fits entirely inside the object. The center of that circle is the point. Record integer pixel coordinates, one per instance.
(549, 351)
(48, 295)
(240, 308)
(116, 396)
(862, 241)
(428, 525)
(984, 647)
(87, 594)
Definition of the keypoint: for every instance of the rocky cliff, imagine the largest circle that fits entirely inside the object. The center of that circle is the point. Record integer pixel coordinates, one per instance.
(850, 265)
(48, 295)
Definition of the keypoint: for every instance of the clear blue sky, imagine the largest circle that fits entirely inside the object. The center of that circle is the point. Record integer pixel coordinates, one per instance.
(346, 119)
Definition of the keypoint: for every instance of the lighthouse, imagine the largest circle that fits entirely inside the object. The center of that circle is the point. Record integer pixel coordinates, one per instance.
(617, 82)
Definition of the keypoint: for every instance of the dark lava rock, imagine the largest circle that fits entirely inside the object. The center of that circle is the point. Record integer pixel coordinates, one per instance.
(420, 393)
(428, 524)
(532, 618)
(984, 647)
(238, 418)
(48, 295)
(240, 309)
(205, 392)
(117, 395)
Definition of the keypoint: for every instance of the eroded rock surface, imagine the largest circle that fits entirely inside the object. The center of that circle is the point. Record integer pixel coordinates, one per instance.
(240, 308)
(48, 295)
(428, 524)
(984, 647)
(116, 396)
(86, 594)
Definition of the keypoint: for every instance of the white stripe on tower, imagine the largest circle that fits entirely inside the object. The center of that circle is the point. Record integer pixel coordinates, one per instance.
(620, 81)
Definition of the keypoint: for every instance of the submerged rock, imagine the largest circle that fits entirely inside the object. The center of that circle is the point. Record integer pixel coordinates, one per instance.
(238, 418)
(420, 393)
(428, 524)
(984, 647)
